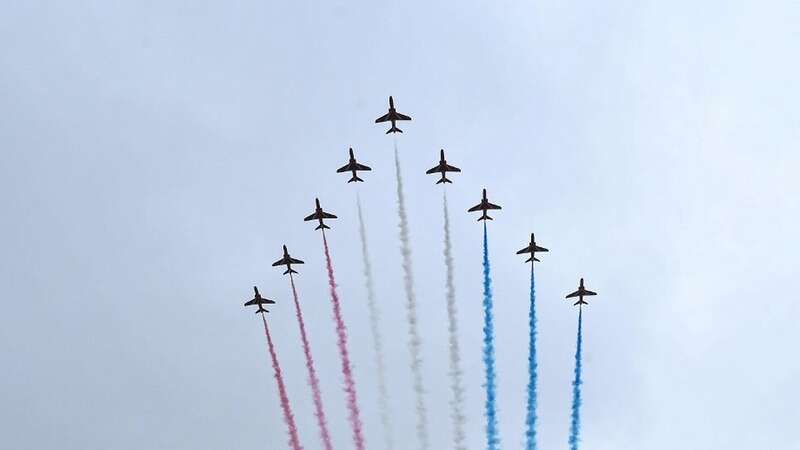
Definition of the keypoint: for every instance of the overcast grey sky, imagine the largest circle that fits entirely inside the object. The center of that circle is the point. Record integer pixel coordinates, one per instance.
(156, 154)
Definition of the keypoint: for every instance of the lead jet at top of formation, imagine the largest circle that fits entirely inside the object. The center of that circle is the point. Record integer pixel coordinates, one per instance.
(484, 206)
(443, 168)
(319, 214)
(287, 261)
(392, 116)
(580, 293)
(532, 248)
(353, 166)
(260, 301)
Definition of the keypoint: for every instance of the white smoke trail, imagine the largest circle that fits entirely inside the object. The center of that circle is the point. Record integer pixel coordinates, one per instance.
(414, 342)
(456, 384)
(374, 318)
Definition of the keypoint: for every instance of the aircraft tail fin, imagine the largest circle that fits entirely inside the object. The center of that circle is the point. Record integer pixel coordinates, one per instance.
(580, 302)
(261, 310)
(322, 226)
(355, 178)
(484, 217)
(443, 180)
(288, 271)
(533, 258)
(394, 129)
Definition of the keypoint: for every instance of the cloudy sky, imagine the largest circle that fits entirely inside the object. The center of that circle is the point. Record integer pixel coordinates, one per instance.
(157, 154)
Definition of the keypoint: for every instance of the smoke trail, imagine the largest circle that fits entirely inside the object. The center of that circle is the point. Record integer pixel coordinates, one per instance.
(374, 316)
(575, 425)
(313, 381)
(530, 422)
(456, 385)
(288, 417)
(492, 438)
(341, 332)
(411, 311)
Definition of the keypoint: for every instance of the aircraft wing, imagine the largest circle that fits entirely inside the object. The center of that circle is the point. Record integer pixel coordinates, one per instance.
(525, 250)
(251, 302)
(541, 249)
(383, 118)
(492, 206)
(280, 262)
(328, 215)
(311, 217)
(449, 168)
(362, 167)
(345, 168)
(589, 293)
(475, 208)
(399, 116)
(434, 169)
(295, 261)
(574, 294)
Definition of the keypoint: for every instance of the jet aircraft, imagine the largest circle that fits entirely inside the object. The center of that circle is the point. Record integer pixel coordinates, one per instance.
(484, 206)
(532, 248)
(287, 261)
(353, 166)
(443, 168)
(260, 301)
(319, 214)
(580, 293)
(392, 116)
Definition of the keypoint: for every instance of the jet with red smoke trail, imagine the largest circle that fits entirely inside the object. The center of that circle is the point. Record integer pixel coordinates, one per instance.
(532, 248)
(484, 206)
(354, 167)
(392, 116)
(580, 293)
(260, 301)
(320, 215)
(287, 261)
(443, 168)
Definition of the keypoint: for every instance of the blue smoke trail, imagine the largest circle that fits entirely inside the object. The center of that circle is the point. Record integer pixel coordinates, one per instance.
(492, 438)
(575, 426)
(530, 422)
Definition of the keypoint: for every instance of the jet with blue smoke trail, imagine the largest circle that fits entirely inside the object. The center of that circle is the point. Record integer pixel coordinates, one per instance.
(580, 293)
(484, 206)
(530, 418)
(492, 433)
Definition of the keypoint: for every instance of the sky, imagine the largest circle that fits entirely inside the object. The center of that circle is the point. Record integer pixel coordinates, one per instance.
(157, 154)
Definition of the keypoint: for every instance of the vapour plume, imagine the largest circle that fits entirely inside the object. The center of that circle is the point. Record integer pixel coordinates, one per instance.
(492, 435)
(456, 383)
(377, 339)
(313, 381)
(414, 342)
(575, 422)
(530, 419)
(288, 417)
(354, 415)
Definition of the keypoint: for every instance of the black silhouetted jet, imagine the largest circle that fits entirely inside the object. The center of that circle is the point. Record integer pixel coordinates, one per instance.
(287, 261)
(260, 301)
(532, 248)
(580, 293)
(443, 168)
(484, 205)
(319, 214)
(353, 166)
(392, 116)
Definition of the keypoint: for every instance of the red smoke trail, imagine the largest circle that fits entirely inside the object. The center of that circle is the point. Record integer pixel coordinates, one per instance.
(312, 374)
(341, 332)
(288, 417)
